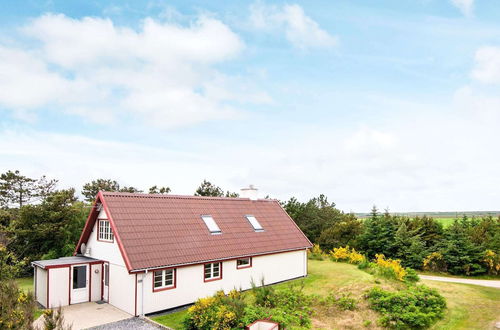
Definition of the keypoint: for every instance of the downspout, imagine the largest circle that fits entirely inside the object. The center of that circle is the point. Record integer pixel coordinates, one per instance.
(142, 292)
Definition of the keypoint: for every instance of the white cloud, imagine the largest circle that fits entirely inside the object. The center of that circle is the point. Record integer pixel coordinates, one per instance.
(300, 30)
(487, 65)
(93, 68)
(465, 6)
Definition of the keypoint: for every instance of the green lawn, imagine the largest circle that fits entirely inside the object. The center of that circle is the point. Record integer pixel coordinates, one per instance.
(172, 320)
(25, 283)
(469, 307)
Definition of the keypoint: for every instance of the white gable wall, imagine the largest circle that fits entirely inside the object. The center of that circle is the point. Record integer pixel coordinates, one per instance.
(121, 283)
(190, 284)
(106, 251)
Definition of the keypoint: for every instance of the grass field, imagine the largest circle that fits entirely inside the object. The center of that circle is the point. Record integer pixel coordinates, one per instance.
(445, 221)
(469, 307)
(26, 284)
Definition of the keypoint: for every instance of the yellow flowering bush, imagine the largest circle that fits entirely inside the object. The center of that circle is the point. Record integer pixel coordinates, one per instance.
(217, 312)
(492, 261)
(390, 267)
(340, 253)
(434, 262)
(355, 257)
(346, 254)
(316, 253)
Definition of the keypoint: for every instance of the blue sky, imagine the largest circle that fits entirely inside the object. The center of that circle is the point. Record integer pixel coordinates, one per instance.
(393, 103)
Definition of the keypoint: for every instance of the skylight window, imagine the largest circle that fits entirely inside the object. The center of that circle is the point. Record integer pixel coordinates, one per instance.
(255, 224)
(211, 225)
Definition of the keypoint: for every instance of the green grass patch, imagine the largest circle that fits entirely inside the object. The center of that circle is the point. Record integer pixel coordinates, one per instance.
(25, 283)
(173, 320)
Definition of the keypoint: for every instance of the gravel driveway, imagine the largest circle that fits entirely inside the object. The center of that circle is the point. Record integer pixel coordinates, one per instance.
(135, 323)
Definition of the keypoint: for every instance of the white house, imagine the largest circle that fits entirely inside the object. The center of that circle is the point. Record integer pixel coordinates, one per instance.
(147, 253)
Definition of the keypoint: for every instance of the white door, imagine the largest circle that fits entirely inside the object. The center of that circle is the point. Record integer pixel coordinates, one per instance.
(79, 284)
(105, 282)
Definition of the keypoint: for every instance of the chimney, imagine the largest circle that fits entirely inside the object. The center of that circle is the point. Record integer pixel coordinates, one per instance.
(250, 192)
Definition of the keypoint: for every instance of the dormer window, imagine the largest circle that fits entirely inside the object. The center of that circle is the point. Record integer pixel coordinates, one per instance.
(255, 224)
(211, 225)
(105, 233)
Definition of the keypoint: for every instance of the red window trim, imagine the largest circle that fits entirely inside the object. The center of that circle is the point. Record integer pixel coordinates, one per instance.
(110, 227)
(243, 267)
(167, 288)
(216, 278)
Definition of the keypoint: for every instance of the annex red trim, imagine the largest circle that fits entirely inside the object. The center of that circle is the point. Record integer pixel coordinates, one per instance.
(102, 281)
(135, 304)
(99, 229)
(243, 267)
(220, 271)
(80, 263)
(167, 288)
(48, 283)
(109, 280)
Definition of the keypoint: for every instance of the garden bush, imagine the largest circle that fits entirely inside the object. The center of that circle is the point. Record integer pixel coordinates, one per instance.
(389, 267)
(417, 307)
(316, 253)
(434, 262)
(343, 302)
(492, 261)
(289, 307)
(347, 254)
(217, 312)
(411, 275)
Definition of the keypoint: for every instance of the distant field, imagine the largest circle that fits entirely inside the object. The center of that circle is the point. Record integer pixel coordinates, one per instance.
(445, 221)
(445, 218)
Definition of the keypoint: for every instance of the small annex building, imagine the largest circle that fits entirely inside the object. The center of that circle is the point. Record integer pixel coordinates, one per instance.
(145, 253)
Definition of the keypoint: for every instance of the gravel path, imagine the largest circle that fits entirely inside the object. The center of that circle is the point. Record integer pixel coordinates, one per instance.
(488, 283)
(135, 323)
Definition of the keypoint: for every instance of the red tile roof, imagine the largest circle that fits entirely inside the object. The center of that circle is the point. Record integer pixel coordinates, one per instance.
(166, 230)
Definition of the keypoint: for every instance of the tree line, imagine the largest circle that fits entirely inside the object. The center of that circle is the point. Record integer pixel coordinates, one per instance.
(40, 221)
(469, 246)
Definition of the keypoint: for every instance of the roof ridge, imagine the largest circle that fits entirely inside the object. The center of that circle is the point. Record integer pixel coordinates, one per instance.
(170, 196)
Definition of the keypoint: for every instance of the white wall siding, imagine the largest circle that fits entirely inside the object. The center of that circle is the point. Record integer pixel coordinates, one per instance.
(41, 286)
(106, 251)
(190, 284)
(59, 287)
(121, 288)
(96, 282)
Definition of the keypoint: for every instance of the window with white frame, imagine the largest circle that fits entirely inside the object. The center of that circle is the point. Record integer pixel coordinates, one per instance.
(255, 224)
(213, 271)
(105, 232)
(244, 263)
(164, 279)
(211, 225)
